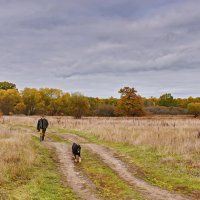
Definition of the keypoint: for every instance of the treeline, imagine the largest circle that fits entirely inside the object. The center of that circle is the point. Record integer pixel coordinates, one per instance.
(167, 104)
(50, 101)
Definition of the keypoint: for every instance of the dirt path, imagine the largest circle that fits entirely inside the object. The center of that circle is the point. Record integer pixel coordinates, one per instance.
(151, 192)
(108, 157)
(80, 184)
(74, 138)
(85, 188)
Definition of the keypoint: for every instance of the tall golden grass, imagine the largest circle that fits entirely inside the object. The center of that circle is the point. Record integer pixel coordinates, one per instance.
(16, 153)
(171, 134)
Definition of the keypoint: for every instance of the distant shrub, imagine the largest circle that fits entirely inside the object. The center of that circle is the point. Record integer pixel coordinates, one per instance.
(105, 111)
(194, 108)
(163, 110)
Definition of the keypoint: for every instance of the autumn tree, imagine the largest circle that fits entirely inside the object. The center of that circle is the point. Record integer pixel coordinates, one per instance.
(32, 100)
(78, 105)
(194, 109)
(7, 85)
(10, 101)
(93, 105)
(65, 103)
(130, 104)
(51, 98)
(182, 103)
(59, 105)
(20, 108)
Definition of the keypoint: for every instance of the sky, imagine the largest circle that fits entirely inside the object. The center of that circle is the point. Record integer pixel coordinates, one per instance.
(97, 47)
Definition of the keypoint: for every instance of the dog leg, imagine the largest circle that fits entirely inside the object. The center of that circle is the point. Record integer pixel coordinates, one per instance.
(75, 159)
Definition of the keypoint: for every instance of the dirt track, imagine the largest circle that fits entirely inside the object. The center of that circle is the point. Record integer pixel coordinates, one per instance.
(118, 166)
(84, 187)
(108, 157)
(80, 184)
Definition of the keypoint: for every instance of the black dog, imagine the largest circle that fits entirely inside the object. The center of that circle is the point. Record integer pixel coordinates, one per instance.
(76, 150)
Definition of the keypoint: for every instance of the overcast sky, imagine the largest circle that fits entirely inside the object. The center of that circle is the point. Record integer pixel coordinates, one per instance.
(98, 46)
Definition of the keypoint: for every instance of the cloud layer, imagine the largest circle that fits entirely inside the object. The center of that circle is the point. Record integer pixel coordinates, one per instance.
(96, 48)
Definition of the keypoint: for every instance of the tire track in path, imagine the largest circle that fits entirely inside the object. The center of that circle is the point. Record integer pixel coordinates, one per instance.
(108, 157)
(151, 192)
(80, 184)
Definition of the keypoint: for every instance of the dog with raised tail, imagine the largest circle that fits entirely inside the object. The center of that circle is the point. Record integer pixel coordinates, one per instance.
(76, 150)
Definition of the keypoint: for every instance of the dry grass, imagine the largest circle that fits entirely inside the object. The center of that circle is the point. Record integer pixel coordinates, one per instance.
(173, 134)
(172, 161)
(16, 155)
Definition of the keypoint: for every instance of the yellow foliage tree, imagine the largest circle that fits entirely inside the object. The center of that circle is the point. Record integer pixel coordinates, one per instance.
(9, 100)
(78, 105)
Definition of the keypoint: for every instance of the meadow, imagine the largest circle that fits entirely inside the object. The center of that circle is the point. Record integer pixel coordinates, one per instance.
(162, 150)
(173, 134)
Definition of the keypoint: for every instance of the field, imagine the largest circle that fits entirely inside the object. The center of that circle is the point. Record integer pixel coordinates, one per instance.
(153, 158)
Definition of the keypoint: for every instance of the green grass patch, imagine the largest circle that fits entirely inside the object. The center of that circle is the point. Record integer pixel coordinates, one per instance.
(56, 137)
(170, 175)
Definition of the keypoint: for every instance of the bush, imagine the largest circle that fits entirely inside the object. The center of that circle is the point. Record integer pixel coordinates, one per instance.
(194, 108)
(105, 111)
(162, 110)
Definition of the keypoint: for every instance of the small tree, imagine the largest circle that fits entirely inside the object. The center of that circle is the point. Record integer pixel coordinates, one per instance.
(6, 85)
(78, 105)
(130, 104)
(194, 108)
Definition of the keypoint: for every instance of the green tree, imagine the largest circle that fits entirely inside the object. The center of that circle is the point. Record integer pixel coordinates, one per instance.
(6, 85)
(78, 105)
(167, 100)
(130, 104)
(194, 109)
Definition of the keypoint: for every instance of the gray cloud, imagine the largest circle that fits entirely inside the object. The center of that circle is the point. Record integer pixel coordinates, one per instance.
(88, 45)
